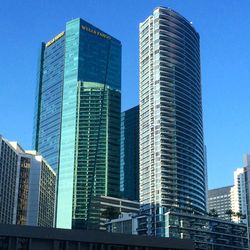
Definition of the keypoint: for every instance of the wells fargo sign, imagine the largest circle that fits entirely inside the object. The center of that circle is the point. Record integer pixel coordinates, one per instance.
(97, 33)
(55, 39)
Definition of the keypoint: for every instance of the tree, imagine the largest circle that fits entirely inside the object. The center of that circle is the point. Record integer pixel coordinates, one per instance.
(111, 213)
(230, 213)
(238, 215)
(213, 213)
(241, 216)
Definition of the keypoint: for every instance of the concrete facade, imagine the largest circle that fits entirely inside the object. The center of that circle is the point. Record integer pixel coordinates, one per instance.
(207, 233)
(113, 207)
(172, 156)
(219, 201)
(28, 186)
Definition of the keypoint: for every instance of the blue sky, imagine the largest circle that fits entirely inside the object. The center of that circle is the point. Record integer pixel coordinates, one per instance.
(224, 28)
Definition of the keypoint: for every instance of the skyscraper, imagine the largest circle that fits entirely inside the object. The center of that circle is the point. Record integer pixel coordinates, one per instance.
(48, 106)
(172, 167)
(77, 120)
(130, 153)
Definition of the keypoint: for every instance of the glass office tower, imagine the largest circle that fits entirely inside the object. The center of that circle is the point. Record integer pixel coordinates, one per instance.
(81, 128)
(47, 122)
(130, 154)
(172, 167)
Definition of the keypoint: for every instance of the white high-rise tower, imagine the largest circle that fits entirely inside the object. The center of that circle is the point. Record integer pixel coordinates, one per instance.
(172, 165)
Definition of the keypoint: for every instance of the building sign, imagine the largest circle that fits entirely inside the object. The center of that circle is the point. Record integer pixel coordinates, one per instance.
(97, 33)
(55, 39)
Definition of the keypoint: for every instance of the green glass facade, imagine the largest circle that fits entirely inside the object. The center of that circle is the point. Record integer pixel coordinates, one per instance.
(89, 140)
(129, 173)
(97, 148)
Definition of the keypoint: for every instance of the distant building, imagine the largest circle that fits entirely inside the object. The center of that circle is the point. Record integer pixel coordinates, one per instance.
(238, 199)
(27, 187)
(219, 200)
(237, 195)
(233, 197)
(14, 237)
(247, 190)
(130, 154)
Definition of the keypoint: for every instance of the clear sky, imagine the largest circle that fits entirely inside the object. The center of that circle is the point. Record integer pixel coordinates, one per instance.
(224, 28)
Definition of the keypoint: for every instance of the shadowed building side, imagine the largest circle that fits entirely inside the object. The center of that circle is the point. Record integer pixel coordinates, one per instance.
(130, 154)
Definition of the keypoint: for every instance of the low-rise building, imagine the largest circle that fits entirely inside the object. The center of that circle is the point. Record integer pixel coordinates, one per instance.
(27, 187)
(9, 160)
(126, 223)
(110, 208)
(13, 237)
(208, 233)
